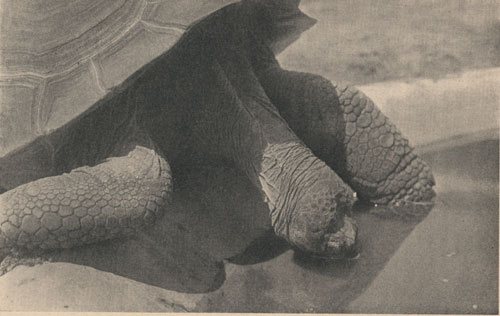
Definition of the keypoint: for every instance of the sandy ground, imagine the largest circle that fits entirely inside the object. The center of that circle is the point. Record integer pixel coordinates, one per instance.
(361, 41)
(448, 263)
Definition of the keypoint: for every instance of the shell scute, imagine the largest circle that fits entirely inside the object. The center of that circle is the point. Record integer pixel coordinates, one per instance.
(59, 57)
(139, 47)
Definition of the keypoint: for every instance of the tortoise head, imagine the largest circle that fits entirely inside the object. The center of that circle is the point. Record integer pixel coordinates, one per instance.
(278, 23)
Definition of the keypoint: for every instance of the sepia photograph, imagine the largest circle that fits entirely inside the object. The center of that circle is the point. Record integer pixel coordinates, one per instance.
(249, 156)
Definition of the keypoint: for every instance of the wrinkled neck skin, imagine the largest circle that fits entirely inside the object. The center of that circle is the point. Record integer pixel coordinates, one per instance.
(172, 99)
(206, 85)
(209, 81)
(202, 103)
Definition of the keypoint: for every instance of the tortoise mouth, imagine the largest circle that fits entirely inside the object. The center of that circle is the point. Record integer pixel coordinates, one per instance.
(350, 254)
(339, 243)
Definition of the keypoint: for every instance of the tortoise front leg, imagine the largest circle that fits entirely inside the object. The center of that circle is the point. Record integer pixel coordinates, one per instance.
(309, 204)
(87, 205)
(345, 129)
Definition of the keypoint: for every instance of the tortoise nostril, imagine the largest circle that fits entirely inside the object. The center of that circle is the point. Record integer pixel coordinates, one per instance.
(335, 224)
(344, 239)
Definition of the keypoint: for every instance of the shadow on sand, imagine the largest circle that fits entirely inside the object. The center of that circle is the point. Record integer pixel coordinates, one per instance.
(187, 250)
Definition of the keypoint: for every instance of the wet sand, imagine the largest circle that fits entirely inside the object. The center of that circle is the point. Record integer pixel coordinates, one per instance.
(446, 264)
(449, 263)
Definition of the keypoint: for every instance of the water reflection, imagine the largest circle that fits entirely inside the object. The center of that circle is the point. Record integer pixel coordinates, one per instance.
(298, 282)
(264, 274)
(185, 250)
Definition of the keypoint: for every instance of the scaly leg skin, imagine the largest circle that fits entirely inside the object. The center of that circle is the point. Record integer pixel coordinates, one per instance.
(309, 204)
(345, 129)
(89, 204)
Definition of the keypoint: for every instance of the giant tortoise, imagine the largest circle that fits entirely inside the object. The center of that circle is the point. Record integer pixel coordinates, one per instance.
(100, 99)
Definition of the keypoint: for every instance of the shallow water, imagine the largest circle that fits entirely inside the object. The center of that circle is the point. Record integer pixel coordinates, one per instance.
(448, 263)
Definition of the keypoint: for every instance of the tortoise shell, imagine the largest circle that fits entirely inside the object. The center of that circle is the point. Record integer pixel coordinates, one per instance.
(58, 57)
